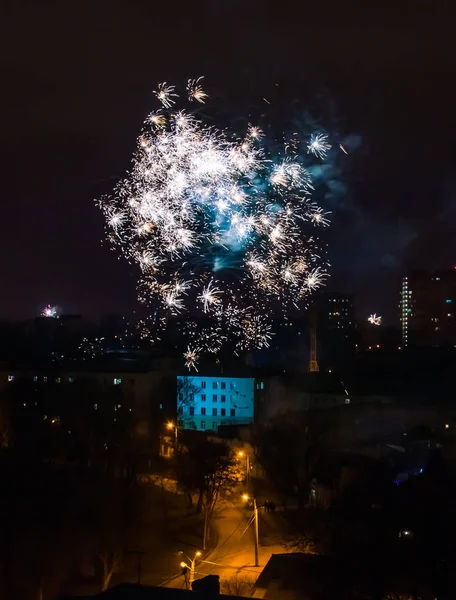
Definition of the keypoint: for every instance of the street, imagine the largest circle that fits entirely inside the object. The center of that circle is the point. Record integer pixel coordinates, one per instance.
(233, 558)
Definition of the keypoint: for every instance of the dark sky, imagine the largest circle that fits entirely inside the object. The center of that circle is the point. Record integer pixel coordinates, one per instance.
(77, 81)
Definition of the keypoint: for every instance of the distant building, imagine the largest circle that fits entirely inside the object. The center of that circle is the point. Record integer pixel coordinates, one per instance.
(427, 308)
(336, 329)
(205, 403)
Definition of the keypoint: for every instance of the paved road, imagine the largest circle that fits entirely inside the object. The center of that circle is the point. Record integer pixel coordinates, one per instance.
(234, 556)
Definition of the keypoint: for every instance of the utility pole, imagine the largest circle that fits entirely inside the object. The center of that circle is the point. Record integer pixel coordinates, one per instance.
(255, 509)
(255, 525)
(190, 568)
(313, 362)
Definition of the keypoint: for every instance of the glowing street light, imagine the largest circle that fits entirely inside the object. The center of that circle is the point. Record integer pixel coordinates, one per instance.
(170, 425)
(241, 454)
(246, 497)
(191, 568)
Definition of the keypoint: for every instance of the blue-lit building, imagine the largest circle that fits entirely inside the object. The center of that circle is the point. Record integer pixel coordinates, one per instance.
(205, 403)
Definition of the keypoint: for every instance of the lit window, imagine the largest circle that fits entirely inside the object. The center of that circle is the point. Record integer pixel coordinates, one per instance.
(117, 380)
(437, 278)
(448, 301)
(95, 406)
(10, 378)
(35, 377)
(70, 379)
(203, 424)
(45, 379)
(203, 411)
(347, 400)
(214, 397)
(214, 385)
(57, 379)
(214, 412)
(203, 397)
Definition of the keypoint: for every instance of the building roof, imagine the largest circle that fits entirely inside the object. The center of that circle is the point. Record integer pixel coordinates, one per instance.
(130, 591)
(317, 577)
(310, 575)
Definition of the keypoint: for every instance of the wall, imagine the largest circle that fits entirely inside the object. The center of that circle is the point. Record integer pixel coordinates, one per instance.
(199, 397)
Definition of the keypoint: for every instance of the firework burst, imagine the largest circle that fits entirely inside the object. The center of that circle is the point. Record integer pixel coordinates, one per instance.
(218, 226)
(374, 319)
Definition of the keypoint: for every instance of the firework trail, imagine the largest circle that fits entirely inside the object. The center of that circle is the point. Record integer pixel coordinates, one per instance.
(218, 226)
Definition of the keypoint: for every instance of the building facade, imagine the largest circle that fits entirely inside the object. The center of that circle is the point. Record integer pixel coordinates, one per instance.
(426, 305)
(336, 328)
(205, 403)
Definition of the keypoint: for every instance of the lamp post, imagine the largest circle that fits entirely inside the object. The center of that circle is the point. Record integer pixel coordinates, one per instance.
(171, 425)
(191, 568)
(255, 524)
(241, 454)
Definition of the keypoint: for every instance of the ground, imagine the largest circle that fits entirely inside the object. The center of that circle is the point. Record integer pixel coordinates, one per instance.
(167, 527)
(234, 559)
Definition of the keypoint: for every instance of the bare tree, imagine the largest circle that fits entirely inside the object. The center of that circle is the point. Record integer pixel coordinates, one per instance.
(238, 586)
(224, 475)
(186, 392)
(207, 469)
(290, 451)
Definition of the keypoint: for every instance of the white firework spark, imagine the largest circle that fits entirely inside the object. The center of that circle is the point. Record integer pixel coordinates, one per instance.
(51, 312)
(165, 93)
(195, 90)
(218, 226)
(374, 319)
(318, 145)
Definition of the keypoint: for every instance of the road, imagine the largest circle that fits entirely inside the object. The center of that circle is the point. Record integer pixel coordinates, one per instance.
(234, 558)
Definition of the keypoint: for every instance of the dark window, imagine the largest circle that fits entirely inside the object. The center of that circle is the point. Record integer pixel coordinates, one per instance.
(214, 397)
(223, 412)
(214, 412)
(203, 424)
(191, 411)
(132, 382)
(232, 386)
(203, 411)
(192, 396)
(214, 385)
(203, 397)
(223, 398)
(233, 412)
(214, 425)
(203, 385)
(223, 385)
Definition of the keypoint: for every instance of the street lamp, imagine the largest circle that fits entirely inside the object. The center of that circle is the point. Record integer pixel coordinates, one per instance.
(255, 523)
(191, 568)
(241, 454)
(170, 425)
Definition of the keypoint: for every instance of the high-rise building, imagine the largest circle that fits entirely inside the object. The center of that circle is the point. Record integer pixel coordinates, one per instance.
(336, 328)
(427, 308)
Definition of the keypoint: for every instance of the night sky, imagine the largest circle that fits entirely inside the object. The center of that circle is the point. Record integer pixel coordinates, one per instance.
(77, 81)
